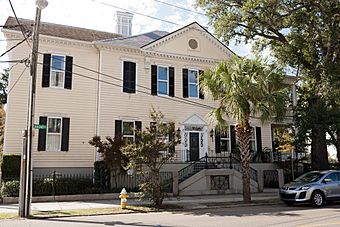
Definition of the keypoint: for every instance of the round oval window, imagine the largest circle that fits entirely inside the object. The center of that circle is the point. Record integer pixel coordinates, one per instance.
(193, 44)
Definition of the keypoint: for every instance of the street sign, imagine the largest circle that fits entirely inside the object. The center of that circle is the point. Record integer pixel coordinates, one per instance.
(36, 126)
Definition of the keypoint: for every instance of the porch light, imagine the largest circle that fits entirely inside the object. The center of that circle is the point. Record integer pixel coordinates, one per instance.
(212, 135)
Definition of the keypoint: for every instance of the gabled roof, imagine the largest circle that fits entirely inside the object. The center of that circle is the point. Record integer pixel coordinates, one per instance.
(137, 40)
(61, 31)
(193, 25)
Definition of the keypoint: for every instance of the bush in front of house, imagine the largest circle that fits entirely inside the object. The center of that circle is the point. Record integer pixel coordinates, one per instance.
(10, 188)
(10, 167)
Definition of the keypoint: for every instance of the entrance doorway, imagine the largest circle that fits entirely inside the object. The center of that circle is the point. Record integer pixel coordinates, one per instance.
(194, 146)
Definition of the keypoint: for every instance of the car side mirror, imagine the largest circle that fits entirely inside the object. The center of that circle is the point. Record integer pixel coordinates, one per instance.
(327, 180)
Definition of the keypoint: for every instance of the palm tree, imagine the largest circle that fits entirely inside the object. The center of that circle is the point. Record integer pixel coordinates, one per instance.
(245, 89)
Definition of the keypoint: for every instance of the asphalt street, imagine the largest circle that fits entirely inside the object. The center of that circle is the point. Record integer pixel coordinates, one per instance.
(252, 216)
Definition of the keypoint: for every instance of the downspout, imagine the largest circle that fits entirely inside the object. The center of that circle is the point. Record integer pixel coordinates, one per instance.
(98, 98)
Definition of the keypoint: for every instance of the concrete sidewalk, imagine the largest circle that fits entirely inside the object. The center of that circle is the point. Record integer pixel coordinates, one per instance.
(187, 202)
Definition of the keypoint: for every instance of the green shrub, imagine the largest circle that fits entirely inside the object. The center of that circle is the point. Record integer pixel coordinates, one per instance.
(10, 188)
(10, 167)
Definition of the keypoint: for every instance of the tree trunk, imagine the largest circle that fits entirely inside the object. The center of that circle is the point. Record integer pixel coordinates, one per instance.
(243, 132)
(319, 148)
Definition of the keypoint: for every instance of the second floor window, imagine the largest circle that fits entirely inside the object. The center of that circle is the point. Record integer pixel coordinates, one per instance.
(162, 80)
(57, 71)
(193, 83)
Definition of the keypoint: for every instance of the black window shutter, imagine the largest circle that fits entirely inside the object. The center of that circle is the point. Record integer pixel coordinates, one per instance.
(138, 125)
(217, 141)
(201, 95)
(258, 139)
(118, 128)
(185, 83)
(232, 138)
(46, 70)
(65, 136)
(171, 81)
(154, 79)
(129, 77)
(68, 72)
(172, 137)
(42, 134)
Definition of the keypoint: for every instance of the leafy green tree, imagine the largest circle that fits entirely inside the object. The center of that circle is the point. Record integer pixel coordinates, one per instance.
(303, 34)
(245, 89)
(153, 147)
(110, 149)
(3, 86)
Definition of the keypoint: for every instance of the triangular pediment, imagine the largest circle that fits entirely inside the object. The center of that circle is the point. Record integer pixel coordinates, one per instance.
(191, 40)
(194, 120)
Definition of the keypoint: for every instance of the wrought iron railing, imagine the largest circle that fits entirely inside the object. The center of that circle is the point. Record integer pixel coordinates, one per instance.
(218, 162)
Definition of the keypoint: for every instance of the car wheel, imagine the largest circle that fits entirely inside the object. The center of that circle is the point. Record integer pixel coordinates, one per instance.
(289, 203)
(317, 199)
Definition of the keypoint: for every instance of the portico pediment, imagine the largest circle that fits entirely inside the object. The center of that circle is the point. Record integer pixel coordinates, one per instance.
(194, 120)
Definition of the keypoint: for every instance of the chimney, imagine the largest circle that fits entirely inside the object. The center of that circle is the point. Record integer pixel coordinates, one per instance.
(124, 23)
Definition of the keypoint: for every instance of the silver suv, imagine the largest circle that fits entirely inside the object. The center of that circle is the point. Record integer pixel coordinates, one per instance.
(315, 187)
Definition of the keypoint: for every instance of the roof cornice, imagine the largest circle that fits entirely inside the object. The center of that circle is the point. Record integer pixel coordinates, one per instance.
(50, 39)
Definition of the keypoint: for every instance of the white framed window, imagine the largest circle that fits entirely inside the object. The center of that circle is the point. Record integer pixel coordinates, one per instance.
(128, 131)
(193, 83)
(57, 71)
(225, 141)
(162, 80)
(253, 139)
(53, 137)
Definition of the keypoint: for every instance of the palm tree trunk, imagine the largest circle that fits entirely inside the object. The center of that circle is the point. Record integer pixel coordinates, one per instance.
(243, 132)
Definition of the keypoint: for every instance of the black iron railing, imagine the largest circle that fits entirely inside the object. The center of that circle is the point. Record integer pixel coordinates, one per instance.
(218, 162)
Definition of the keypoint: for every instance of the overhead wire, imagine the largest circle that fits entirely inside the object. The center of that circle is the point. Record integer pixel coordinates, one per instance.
(180, 7)
(138, 13)
(15, 83)
(10, 49)
(21, 27)
(188, 102)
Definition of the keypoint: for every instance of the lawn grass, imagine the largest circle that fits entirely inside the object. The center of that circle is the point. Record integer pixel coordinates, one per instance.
(8, 215)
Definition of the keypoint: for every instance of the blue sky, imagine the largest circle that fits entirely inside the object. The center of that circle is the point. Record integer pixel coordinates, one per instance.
(96, 14)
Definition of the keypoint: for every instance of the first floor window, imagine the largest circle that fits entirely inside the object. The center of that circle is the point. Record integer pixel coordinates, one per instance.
(57, 71)
(225, 140)
(163, 80)
(53, 141)
(128, 131)
(253, 140)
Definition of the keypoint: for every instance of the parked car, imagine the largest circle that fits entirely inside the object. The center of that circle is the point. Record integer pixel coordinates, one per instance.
(315, 187)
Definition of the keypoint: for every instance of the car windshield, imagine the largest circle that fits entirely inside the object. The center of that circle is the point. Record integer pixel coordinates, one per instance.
(309, 177)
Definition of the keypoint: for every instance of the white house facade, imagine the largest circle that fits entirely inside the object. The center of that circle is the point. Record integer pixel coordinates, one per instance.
(97, 83)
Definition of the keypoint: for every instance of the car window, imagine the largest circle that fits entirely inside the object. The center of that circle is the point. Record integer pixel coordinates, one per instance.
(332, 176)
(338, 176)
(309, 177)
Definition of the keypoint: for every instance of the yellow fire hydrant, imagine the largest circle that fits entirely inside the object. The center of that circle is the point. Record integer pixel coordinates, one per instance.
(123, 198)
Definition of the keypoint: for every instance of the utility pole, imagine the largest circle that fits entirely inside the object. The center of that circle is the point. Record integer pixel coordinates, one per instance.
(25, 200)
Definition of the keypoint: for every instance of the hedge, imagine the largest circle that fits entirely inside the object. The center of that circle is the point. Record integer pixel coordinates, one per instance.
(10, 167)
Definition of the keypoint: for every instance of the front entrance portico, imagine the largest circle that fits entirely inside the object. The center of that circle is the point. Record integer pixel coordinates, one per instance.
(194, 138)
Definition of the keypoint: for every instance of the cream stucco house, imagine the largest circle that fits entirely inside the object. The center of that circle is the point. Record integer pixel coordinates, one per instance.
(97, 83)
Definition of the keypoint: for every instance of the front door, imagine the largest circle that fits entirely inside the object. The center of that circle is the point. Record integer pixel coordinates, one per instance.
(194, 146)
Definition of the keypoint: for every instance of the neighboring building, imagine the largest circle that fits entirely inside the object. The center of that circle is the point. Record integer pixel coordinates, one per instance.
(76, 102)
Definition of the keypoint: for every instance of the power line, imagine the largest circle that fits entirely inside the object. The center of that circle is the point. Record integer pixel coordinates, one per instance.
(138, 13)
(21, 27)
(25, 39)
(15, 83)
(180, 7)
(139, 86)
(188, 102)
(13, 61)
